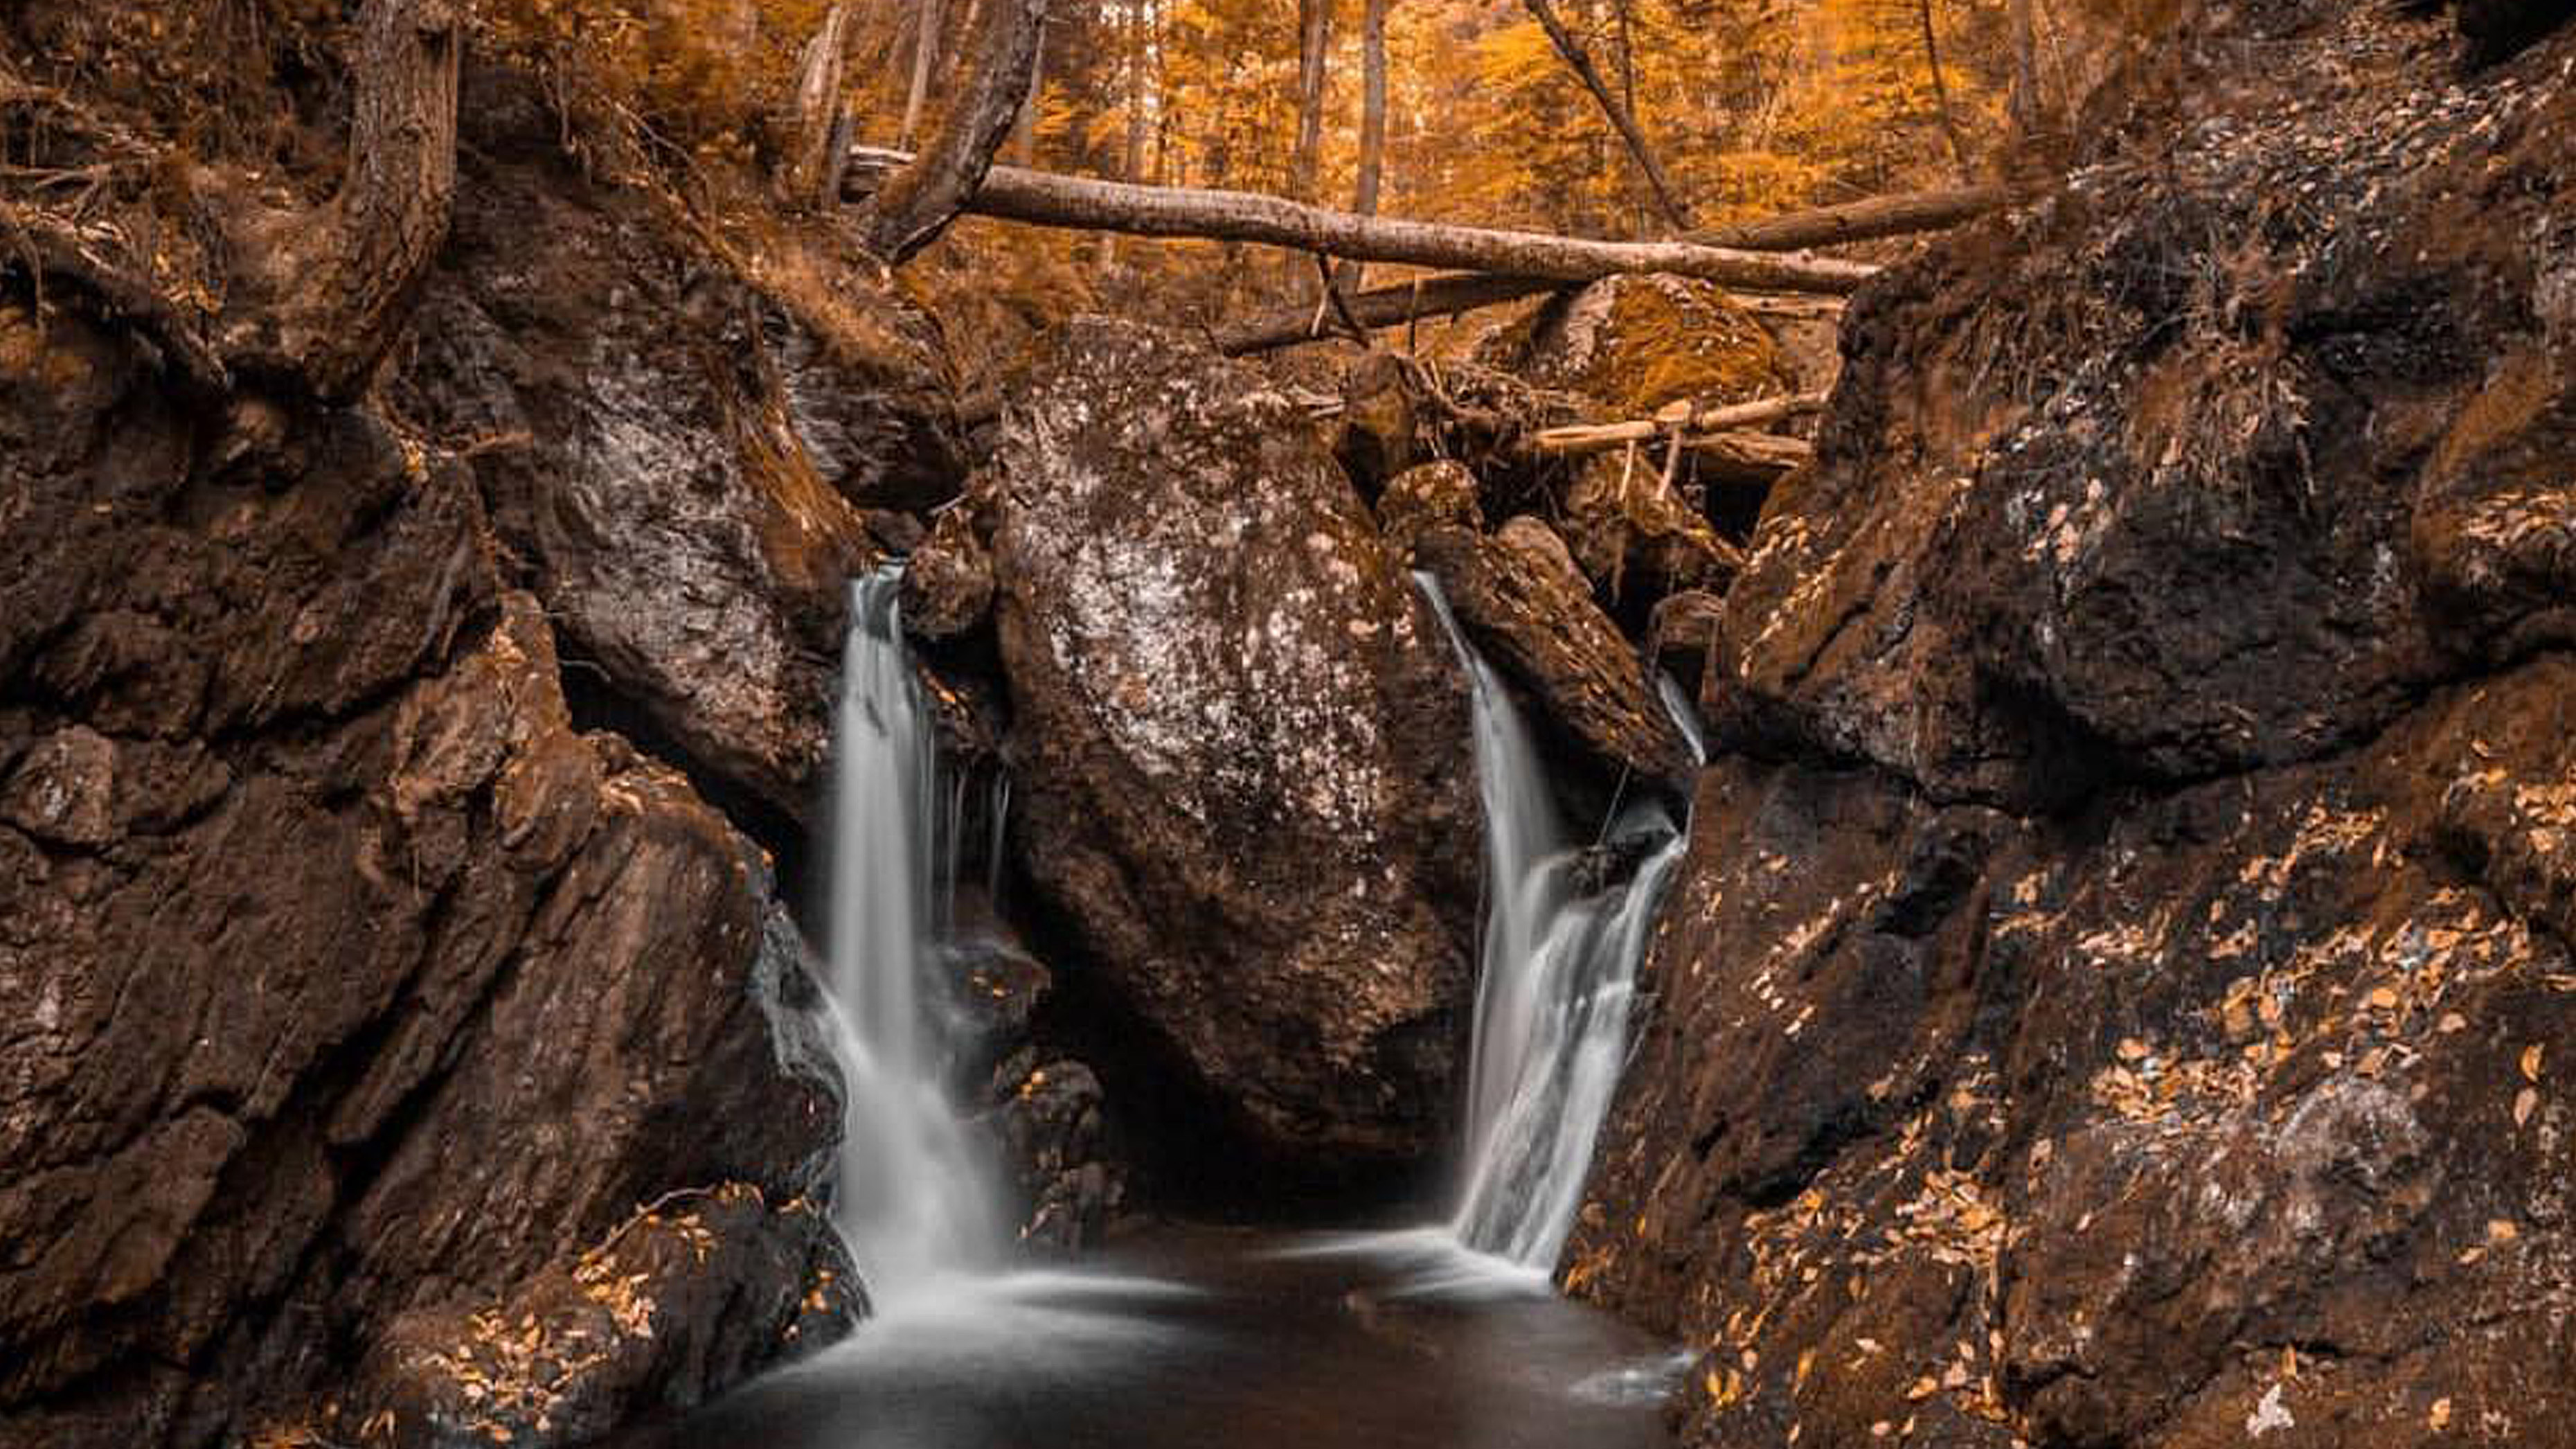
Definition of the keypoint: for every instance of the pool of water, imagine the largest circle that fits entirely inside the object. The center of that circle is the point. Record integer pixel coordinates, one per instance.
(1189, 1338)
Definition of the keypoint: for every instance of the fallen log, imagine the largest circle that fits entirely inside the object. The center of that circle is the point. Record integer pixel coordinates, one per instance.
(1044, 198)
(1687, 416)
(1390, 306)
(1902, 214)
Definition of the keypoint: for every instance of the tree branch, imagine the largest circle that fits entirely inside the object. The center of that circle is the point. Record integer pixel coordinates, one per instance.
(1580, 61)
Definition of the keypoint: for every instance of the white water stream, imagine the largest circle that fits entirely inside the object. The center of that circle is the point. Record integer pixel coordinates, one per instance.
(1555, 981)
(918, 1199)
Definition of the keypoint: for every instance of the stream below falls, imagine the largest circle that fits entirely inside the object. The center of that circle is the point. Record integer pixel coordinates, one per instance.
(1212, 1338)
(1447, 1336)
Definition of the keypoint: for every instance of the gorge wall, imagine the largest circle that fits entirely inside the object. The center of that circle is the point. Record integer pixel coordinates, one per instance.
(2119, 992)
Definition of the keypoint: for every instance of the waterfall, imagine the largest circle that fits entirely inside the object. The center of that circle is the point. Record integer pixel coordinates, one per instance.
(1556, 976)
(917, 1201)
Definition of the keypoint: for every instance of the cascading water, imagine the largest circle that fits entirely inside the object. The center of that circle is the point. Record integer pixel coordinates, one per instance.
(1555, 981)
(917, 1201)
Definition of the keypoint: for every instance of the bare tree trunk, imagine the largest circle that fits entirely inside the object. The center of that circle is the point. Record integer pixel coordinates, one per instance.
(1024, 142)
(1314, 47)
(1074, 201)
(1134, 168)
(1372, 165)
(2025, 81)
(822, 112)
(925, 51)
(1438, 296)
(1625, 124)
(909, 209)
(346, 283)
(1941, 94)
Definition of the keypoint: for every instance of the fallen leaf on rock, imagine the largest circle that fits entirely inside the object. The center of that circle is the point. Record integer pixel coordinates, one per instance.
(2523, 1103)
(2531, 1062)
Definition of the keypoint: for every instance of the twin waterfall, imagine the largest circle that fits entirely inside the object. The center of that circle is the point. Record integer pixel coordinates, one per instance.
(918, 1202)
(1554, 982)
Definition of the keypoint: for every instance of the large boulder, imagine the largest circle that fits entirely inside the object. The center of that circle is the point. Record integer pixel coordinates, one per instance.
(1634, 343)
(2119, 990)
(346, 981)
(1242, 745)
(674, 455)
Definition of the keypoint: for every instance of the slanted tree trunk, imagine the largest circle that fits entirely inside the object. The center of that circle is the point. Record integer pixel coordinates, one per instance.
(926, 21)
(344, 283)
(908, 210)
(823, 112)
(1080, 202)
(1620, 120)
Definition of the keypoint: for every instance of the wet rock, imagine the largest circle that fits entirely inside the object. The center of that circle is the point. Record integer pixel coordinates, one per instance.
(1380, 433)
(1050, 1126)
(674, 1305)
(1680, 634)
(948, 584)
(1520, 597)
(671, 454)
(1241, 742)
(344, 980)
(1045, 1110)
(2091, 1131)
(1634, 343)
(1434, 495)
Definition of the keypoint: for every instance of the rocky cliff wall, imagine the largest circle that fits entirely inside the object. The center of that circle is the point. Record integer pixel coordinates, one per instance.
(2119, 992)
(349, 986)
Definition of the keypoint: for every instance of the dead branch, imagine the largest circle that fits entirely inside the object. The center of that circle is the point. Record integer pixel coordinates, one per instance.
(1684, 417)
(1571, 50)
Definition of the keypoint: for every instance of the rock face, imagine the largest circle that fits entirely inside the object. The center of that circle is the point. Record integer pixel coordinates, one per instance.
(674, 460)
(1520, 597)
(1241, 743)
(346, 986)
(2119, 992)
